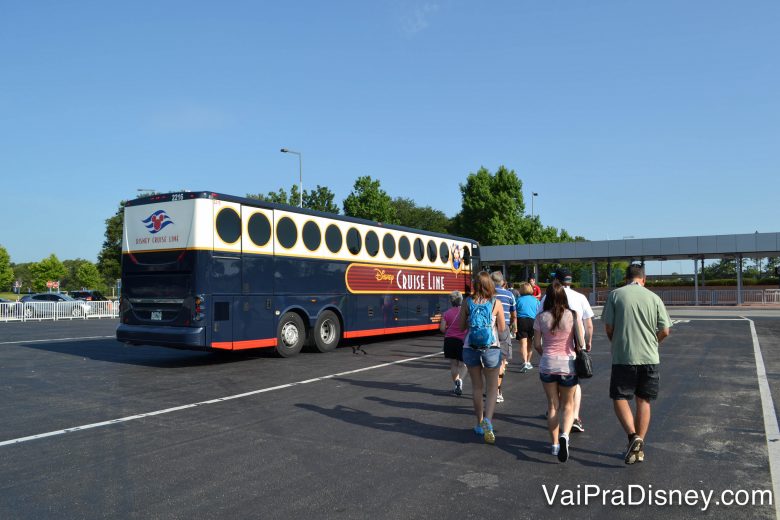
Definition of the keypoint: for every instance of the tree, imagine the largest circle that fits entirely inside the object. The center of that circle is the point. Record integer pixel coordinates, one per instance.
(87, 275)
(492, 208)
(110, 257)
(6, 272)
(23, 274)
(370, 202)
(411, 215)
(50, 268)
(319, 199)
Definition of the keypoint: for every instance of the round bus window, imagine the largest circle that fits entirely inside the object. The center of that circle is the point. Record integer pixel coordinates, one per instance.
(333, 238)
(311, 236)
(259, 229)
(466, 255)
(228, 225)
(286, 232)
(372, 243)
(404, 247)
(432, 254)
(444, 253)
(354, 242)
(419, 250)
(388, 245)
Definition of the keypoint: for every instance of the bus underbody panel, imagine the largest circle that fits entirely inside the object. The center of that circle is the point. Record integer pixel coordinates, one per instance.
(177, 337)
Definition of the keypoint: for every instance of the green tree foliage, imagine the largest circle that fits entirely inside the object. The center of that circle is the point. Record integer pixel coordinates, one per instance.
(319, 199)
(24, 275)
(492, 208)
(6, 272)
(369, 201)
(50, 268)
(411, 215)
(110, 257)
(88, 276)
(70, 281)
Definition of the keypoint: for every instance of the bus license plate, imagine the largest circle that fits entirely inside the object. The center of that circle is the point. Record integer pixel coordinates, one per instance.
(157, 315)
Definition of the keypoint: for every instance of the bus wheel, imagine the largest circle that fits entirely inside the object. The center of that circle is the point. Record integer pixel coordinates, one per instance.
(290, 335)
(327, 332)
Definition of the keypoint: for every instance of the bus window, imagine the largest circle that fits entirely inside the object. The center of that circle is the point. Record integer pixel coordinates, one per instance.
(333, 238)
(354, 243)
(286, 232)
(311, 236)
(259, 229)
(388, 245)
(228, 225)
(444, 253)
(372, 243)
(404, 248)
(432, 251)
(419, 252)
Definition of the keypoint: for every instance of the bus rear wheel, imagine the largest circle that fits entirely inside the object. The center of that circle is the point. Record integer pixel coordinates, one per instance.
(327, 332)
(290, 335)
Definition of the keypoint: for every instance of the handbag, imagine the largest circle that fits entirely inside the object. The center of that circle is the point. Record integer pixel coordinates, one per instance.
(583, 363)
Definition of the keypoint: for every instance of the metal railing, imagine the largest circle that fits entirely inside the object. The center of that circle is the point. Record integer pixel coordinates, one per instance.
(39, 311)
(707, 296)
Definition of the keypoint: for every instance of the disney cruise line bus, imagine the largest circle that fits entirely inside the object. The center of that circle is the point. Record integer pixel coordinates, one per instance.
(203, 271)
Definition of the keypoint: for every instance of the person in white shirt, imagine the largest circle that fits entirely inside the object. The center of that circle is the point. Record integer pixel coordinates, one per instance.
(578, 303)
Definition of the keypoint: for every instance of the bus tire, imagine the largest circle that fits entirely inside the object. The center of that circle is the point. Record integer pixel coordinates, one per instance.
(290, 335)
(327, 331)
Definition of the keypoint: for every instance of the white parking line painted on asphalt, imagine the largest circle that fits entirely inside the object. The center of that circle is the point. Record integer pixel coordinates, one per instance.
(201, 403)
(52, 339)
(770, 419)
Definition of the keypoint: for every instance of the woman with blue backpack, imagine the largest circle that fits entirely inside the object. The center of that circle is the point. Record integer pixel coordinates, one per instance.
(481, 350)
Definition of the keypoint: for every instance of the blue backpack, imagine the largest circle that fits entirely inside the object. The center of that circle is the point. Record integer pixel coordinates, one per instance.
(481, 323)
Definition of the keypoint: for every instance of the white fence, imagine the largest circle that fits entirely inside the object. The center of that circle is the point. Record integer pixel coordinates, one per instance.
(38, 311)
(708, 296)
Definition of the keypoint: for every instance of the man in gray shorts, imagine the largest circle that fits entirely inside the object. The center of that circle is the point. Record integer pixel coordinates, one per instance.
(636, 322)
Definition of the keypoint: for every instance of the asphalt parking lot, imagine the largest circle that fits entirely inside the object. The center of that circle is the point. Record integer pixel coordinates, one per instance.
(95, 429)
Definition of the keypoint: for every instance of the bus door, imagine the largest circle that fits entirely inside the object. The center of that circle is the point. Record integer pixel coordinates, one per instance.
(253, 325)
(226, 275)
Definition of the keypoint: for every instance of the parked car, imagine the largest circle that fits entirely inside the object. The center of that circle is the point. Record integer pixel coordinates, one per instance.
(6, 307)
(90, 296)
(35, 305)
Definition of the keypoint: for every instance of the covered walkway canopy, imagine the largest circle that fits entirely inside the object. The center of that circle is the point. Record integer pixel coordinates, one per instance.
(696, 248)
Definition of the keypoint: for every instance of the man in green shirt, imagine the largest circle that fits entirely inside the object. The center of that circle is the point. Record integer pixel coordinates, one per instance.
(636, 322)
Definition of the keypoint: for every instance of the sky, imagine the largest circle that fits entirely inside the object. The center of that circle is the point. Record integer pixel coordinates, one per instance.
(629, 119)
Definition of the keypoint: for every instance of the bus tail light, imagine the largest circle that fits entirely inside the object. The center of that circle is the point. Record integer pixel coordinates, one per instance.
(200, 302)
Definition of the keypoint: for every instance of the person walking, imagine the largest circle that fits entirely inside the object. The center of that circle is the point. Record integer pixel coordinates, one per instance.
(636, 323)
(557, 326)
(507, 300)
(482, 315)
(579, 304)
(527, 309)
(453, 342)
(537, 291)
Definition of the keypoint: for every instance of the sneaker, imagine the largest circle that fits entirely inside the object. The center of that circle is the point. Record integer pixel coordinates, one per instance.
(555, 449)
(640, 456)
(577, 426)
(563, 452)
(529, 366)
(500, 398)
(478, 430)
(487, 427)
(634, 448)
(524, 368)
(458, 390)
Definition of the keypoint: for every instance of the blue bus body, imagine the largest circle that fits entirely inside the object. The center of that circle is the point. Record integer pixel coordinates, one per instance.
(202, 270)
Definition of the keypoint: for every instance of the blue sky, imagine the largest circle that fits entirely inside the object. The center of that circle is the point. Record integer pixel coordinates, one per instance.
(639, 119)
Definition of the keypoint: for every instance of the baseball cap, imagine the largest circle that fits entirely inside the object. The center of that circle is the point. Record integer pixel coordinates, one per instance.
(563, 275)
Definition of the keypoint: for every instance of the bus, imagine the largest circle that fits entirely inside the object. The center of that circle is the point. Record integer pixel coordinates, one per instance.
(208, 271)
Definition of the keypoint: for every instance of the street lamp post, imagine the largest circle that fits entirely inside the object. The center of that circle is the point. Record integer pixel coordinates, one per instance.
(300, 172)
(533, 196)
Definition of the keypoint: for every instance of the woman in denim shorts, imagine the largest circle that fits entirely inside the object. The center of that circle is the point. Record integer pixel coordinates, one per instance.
(483, 361)
(556, 326)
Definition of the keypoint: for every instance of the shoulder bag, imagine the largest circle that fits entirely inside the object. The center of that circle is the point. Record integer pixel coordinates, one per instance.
(583, 364)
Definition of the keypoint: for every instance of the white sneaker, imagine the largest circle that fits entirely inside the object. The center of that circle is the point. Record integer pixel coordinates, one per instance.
(555, 449)
(529, 366)
(500, 398)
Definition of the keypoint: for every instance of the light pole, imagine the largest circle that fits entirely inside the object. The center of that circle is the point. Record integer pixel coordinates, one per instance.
(533, 196)
(300, 172)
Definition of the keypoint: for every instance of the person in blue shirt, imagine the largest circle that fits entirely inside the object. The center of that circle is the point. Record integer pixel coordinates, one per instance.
(527, 309)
